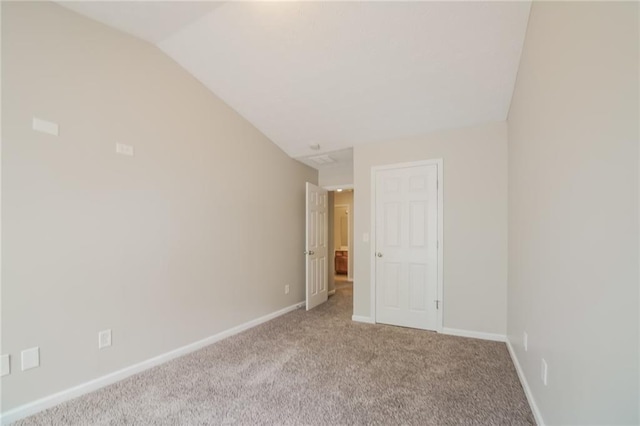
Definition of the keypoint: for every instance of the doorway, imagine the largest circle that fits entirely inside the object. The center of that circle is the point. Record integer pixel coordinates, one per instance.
(341, 240)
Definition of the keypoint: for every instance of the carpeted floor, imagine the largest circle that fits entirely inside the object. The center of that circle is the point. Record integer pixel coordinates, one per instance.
(316, 367)
(341, 278)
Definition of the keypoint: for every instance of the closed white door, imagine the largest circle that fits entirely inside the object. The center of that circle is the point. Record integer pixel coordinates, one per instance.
(406, 246)
(316, 241)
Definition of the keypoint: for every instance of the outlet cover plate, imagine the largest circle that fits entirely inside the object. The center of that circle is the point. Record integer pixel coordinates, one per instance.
(5, 365)
(104, 339)
(44, 126)
(124, 149)
(30, 358)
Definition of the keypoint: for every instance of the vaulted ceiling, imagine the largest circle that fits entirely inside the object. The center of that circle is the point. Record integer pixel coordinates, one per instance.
(339, 74)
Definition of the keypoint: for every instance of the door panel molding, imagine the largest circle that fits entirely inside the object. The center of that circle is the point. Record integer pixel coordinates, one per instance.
(440, 231)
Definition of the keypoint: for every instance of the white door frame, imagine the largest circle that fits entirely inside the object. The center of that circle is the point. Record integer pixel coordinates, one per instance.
(439, 163)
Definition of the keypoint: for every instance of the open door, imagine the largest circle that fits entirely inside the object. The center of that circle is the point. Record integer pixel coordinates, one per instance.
(316, 241)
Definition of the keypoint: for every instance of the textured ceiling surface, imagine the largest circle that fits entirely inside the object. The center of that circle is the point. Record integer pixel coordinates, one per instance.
(338, 74)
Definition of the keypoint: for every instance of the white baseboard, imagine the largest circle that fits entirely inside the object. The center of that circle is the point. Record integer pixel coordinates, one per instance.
(525, 385)
(34, 407)
(474, 334)
(359, 318)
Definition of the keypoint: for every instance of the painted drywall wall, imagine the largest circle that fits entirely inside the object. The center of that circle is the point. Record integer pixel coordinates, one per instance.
(341, 226)
(475, 221)
(573, 211)
(166, 247)
(331, 177)
(346, 198)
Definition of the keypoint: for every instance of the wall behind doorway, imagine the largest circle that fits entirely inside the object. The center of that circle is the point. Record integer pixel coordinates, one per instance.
(341, 227)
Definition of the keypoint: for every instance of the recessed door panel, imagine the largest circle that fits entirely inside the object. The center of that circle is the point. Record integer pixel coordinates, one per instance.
(418, 183)
(313, 273)
(392, 285)
(313, 224)
(322, 278)
(322, 219)
(418, 223)
(392, 185)
(392, 224)
(418, 287)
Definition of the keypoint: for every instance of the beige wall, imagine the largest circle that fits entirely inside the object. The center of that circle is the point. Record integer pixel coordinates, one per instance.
(573, 211)
(342, 175)
(475, 221)
(340, 221)
(155, 247)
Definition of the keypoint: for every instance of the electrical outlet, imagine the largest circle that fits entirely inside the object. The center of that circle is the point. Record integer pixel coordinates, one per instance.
(544, 371)
(5, 366)
(30, 358)
(286, 289)
(124, 149)
(104, 339)
(525, 341)
(44, 126)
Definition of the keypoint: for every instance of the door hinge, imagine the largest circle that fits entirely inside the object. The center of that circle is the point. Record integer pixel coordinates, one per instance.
(437, 244)
(437, 304)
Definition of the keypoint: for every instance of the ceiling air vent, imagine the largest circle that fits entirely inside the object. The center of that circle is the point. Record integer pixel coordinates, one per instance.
(322, 159)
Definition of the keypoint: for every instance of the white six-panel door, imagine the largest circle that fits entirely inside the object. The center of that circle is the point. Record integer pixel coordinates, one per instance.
(406, 246)
(316, 246)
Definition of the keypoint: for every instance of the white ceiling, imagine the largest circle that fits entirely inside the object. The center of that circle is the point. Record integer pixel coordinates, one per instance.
(340, 74)
(149, 20)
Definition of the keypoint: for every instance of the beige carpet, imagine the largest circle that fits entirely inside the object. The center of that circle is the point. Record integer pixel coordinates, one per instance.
(316, 367)
(341, 278)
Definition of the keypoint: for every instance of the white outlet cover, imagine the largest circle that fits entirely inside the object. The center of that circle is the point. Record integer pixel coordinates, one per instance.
(30, 358)
(124, 149)
(525, 341)
(104, 339)
(44, 126)
(286, 289)
(5, 365)
(365, 237)
(544, 371)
